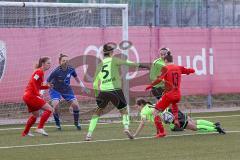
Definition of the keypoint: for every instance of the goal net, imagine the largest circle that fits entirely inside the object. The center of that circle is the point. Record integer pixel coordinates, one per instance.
(30, 30)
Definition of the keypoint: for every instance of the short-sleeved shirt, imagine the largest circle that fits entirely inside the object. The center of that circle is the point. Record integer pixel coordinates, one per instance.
(35, 84)
(155, 71)
(108, 73)
(171, 74)
(61, 79)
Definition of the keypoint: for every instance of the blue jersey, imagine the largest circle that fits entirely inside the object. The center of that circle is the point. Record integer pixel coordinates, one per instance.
(61, 79)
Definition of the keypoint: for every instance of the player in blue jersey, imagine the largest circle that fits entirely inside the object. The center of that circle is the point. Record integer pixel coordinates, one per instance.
(60, 78)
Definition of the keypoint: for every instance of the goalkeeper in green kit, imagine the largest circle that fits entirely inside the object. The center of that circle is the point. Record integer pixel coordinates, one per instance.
(108, 75)
(155, 71)
(146, 112)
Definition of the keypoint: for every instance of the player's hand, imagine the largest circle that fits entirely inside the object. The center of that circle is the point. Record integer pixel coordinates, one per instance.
(50, 85)
(176, 123)
(190, 70)
(148, 87)
(86, 90)
(144, 66)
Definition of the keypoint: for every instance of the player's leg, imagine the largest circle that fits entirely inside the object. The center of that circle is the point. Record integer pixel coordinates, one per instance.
(158, 124)
(160, 106)
(69, 97)
(205, 122)
(56, 115)
(31, 121)
(175, 114)
(55, 99)
(102, 101)
(34, 104)
(44, 117)
(204, 125)
(119, 101)
(75, 106)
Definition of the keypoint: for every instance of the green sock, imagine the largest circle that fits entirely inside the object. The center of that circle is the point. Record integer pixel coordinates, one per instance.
(205, 122)
(204, 128)
(125, 121)
(93, 123)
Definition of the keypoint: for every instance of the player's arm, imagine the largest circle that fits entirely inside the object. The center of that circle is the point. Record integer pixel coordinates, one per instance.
(119, 62)
(152, 72)
(187, 70)
(129, 63)
(84, 88)
(36, 80)
(159, 79)
(50, 78)
(96, 80)
(140, 127)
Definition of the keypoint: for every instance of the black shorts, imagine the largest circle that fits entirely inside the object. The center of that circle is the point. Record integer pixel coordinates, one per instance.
(116, 97)
(157, 92)
(183, 119)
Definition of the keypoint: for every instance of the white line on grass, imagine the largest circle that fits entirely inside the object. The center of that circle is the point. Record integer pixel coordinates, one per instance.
(106, 140)
(116, 122)
(217, 116)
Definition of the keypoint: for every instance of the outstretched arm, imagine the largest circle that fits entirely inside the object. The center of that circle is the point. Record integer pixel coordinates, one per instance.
(140, 127)
(187, 70)
(84, 88)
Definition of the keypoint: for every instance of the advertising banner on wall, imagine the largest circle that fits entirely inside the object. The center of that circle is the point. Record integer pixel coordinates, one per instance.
(213, 53)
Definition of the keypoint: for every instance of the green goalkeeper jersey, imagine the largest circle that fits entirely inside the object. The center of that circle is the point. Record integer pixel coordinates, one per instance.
(155, 71)
(108, 73)
(147, 113)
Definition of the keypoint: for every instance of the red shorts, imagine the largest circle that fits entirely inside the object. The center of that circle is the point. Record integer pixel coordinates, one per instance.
(167, 99)
(33, 102)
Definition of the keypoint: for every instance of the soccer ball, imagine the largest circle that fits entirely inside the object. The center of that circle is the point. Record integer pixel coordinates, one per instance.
(167, 117)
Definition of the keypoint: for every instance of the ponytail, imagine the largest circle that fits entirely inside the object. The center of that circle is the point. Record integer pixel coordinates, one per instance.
(41, 61)
(61, 56)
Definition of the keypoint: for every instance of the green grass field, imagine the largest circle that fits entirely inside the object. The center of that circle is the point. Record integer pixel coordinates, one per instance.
(110, 143)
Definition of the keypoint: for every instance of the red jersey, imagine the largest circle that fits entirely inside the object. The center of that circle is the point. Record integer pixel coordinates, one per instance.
(171, 74)
(36, 83)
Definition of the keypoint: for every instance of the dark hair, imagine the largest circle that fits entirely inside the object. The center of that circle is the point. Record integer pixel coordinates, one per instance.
(166, 49)
(107, 49)
(41, 61)
(61, 56)
(168, 57)
(141, 101)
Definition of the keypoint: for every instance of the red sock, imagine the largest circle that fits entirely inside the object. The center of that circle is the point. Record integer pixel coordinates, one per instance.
(46, 114)
(31, 120)
(175, 114)
(175, 111)
(158, 124)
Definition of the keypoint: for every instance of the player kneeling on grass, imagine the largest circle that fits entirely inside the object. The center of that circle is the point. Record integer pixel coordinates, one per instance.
(146, 112)
(108, 75)
(60, 78)
(33, 99)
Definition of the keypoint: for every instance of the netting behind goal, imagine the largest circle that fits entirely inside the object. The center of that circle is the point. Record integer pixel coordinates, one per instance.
(29, 31)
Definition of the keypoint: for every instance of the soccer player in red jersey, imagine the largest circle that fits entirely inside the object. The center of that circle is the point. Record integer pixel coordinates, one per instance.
(171, 75)
(33, 99)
